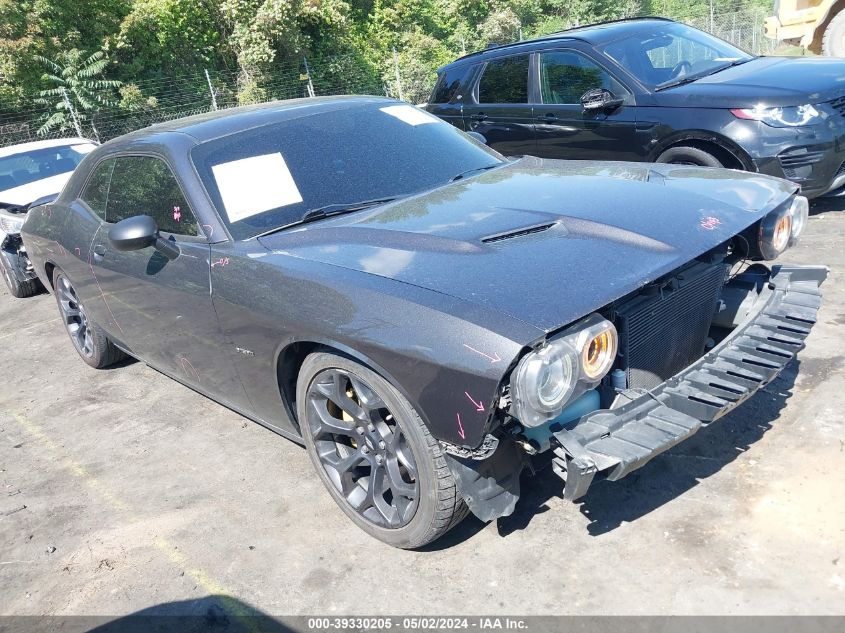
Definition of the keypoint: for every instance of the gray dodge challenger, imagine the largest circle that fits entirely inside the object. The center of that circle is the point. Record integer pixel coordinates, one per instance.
(427, 317)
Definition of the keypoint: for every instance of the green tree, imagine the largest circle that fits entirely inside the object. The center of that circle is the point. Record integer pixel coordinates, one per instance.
(29, 28)
(77, 90)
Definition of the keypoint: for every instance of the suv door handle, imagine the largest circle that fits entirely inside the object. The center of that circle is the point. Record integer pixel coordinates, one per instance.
(99, 252)
(547, 118)
(478, 117)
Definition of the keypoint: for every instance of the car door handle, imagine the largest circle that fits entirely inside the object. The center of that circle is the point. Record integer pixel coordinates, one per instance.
(478, 117)
(99, 252)
(547, 118)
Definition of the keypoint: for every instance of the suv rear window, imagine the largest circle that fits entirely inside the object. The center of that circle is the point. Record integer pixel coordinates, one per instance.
(505, 81)
(449, 83)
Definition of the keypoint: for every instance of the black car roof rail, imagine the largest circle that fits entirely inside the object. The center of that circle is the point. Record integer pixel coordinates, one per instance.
(557, 35)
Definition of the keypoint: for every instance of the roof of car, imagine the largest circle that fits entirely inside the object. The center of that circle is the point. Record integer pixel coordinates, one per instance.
(594, 34)
(33, 146)
(217, 123)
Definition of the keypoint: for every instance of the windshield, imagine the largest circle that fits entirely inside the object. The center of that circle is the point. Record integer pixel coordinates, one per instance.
(26, 167)
(666, 53)
(268, 177)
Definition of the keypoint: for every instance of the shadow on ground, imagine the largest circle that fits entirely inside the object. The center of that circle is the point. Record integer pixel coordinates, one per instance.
(215, 614)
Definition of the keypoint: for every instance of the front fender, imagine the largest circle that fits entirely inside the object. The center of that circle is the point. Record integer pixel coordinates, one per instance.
(445, 355)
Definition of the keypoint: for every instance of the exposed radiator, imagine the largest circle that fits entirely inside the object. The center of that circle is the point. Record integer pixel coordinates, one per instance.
(664, 329)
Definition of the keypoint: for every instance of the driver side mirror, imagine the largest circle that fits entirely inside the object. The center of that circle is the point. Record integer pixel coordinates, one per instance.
(600, 100)
(139, 232)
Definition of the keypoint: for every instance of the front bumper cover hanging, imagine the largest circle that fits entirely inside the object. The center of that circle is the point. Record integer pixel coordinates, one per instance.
(617, 441)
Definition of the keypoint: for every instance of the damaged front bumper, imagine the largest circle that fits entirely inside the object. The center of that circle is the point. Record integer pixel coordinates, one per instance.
(15, 260)
(611, 443)
(615, 442)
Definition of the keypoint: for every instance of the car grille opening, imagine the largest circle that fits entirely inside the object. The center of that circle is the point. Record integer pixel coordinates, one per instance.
(664, 329)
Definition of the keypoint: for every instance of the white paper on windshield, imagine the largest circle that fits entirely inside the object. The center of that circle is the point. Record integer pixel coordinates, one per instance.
(82, 149)
(409, 115)
(254, 185)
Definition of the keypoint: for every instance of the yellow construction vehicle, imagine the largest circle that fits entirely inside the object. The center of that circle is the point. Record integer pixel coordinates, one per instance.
(817, 25)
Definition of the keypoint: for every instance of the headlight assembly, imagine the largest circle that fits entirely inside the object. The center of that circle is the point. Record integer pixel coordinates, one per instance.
(800, 211)
(11, 224)
(790, 116)
(775, 233)
(546, 379)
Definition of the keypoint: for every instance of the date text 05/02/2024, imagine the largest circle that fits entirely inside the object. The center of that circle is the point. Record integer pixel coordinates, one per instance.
(426, 623)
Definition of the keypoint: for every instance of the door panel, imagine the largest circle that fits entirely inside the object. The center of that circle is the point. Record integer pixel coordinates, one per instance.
(508, 128)
(563, 129)
(160, 309)
(501, 111)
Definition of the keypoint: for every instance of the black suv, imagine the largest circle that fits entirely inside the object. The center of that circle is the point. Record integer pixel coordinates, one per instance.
(653, 90)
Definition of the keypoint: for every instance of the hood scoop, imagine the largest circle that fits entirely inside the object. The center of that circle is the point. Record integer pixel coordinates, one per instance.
(508, 235)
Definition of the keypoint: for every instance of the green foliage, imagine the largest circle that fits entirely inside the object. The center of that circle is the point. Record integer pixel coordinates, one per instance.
(164, 37)
(77, 90)
(133, 100)
(31, 28)
(349, 43)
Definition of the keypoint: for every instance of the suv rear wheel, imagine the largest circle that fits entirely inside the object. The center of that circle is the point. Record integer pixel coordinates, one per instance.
(374, 454)
(685, 155)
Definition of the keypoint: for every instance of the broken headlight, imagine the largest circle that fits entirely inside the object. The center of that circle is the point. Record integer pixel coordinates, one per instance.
(10, 224)
(546, 379)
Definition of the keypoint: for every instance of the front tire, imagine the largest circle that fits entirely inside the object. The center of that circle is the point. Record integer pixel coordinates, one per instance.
(374, 454)
(18, 289)
(88, 339)
(833, 41)
(685, 155)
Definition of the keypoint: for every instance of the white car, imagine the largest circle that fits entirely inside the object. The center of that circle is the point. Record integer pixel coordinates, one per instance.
(30, 174)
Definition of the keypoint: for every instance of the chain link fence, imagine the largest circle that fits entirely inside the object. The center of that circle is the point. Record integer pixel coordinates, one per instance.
(743, 28)
(145, 103)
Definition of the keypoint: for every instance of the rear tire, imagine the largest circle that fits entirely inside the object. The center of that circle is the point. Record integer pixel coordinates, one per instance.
(88, 339)
(833, 41)
(686, 155)
(374, 454)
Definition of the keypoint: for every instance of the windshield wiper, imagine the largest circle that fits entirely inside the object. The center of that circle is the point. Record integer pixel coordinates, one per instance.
(696, 77)
(328, 210)
(466, 173)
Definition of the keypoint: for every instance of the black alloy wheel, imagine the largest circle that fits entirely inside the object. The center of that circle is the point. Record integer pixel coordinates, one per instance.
(362, 449)
(374, 454)
(95, 348)
(74, 318)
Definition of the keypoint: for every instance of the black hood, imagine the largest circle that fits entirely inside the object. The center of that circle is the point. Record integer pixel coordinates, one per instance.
(775, 81)
(543, 241)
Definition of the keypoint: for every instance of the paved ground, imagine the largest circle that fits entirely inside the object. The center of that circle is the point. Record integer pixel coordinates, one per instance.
(139, 493)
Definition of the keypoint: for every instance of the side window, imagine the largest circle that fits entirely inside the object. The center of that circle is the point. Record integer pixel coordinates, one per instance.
(566, 75)
(449, 85)
(96, 190)
(505, 81)
(143, 185)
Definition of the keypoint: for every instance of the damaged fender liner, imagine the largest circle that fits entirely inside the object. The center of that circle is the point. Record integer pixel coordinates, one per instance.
(618, 441)
(490, 487)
